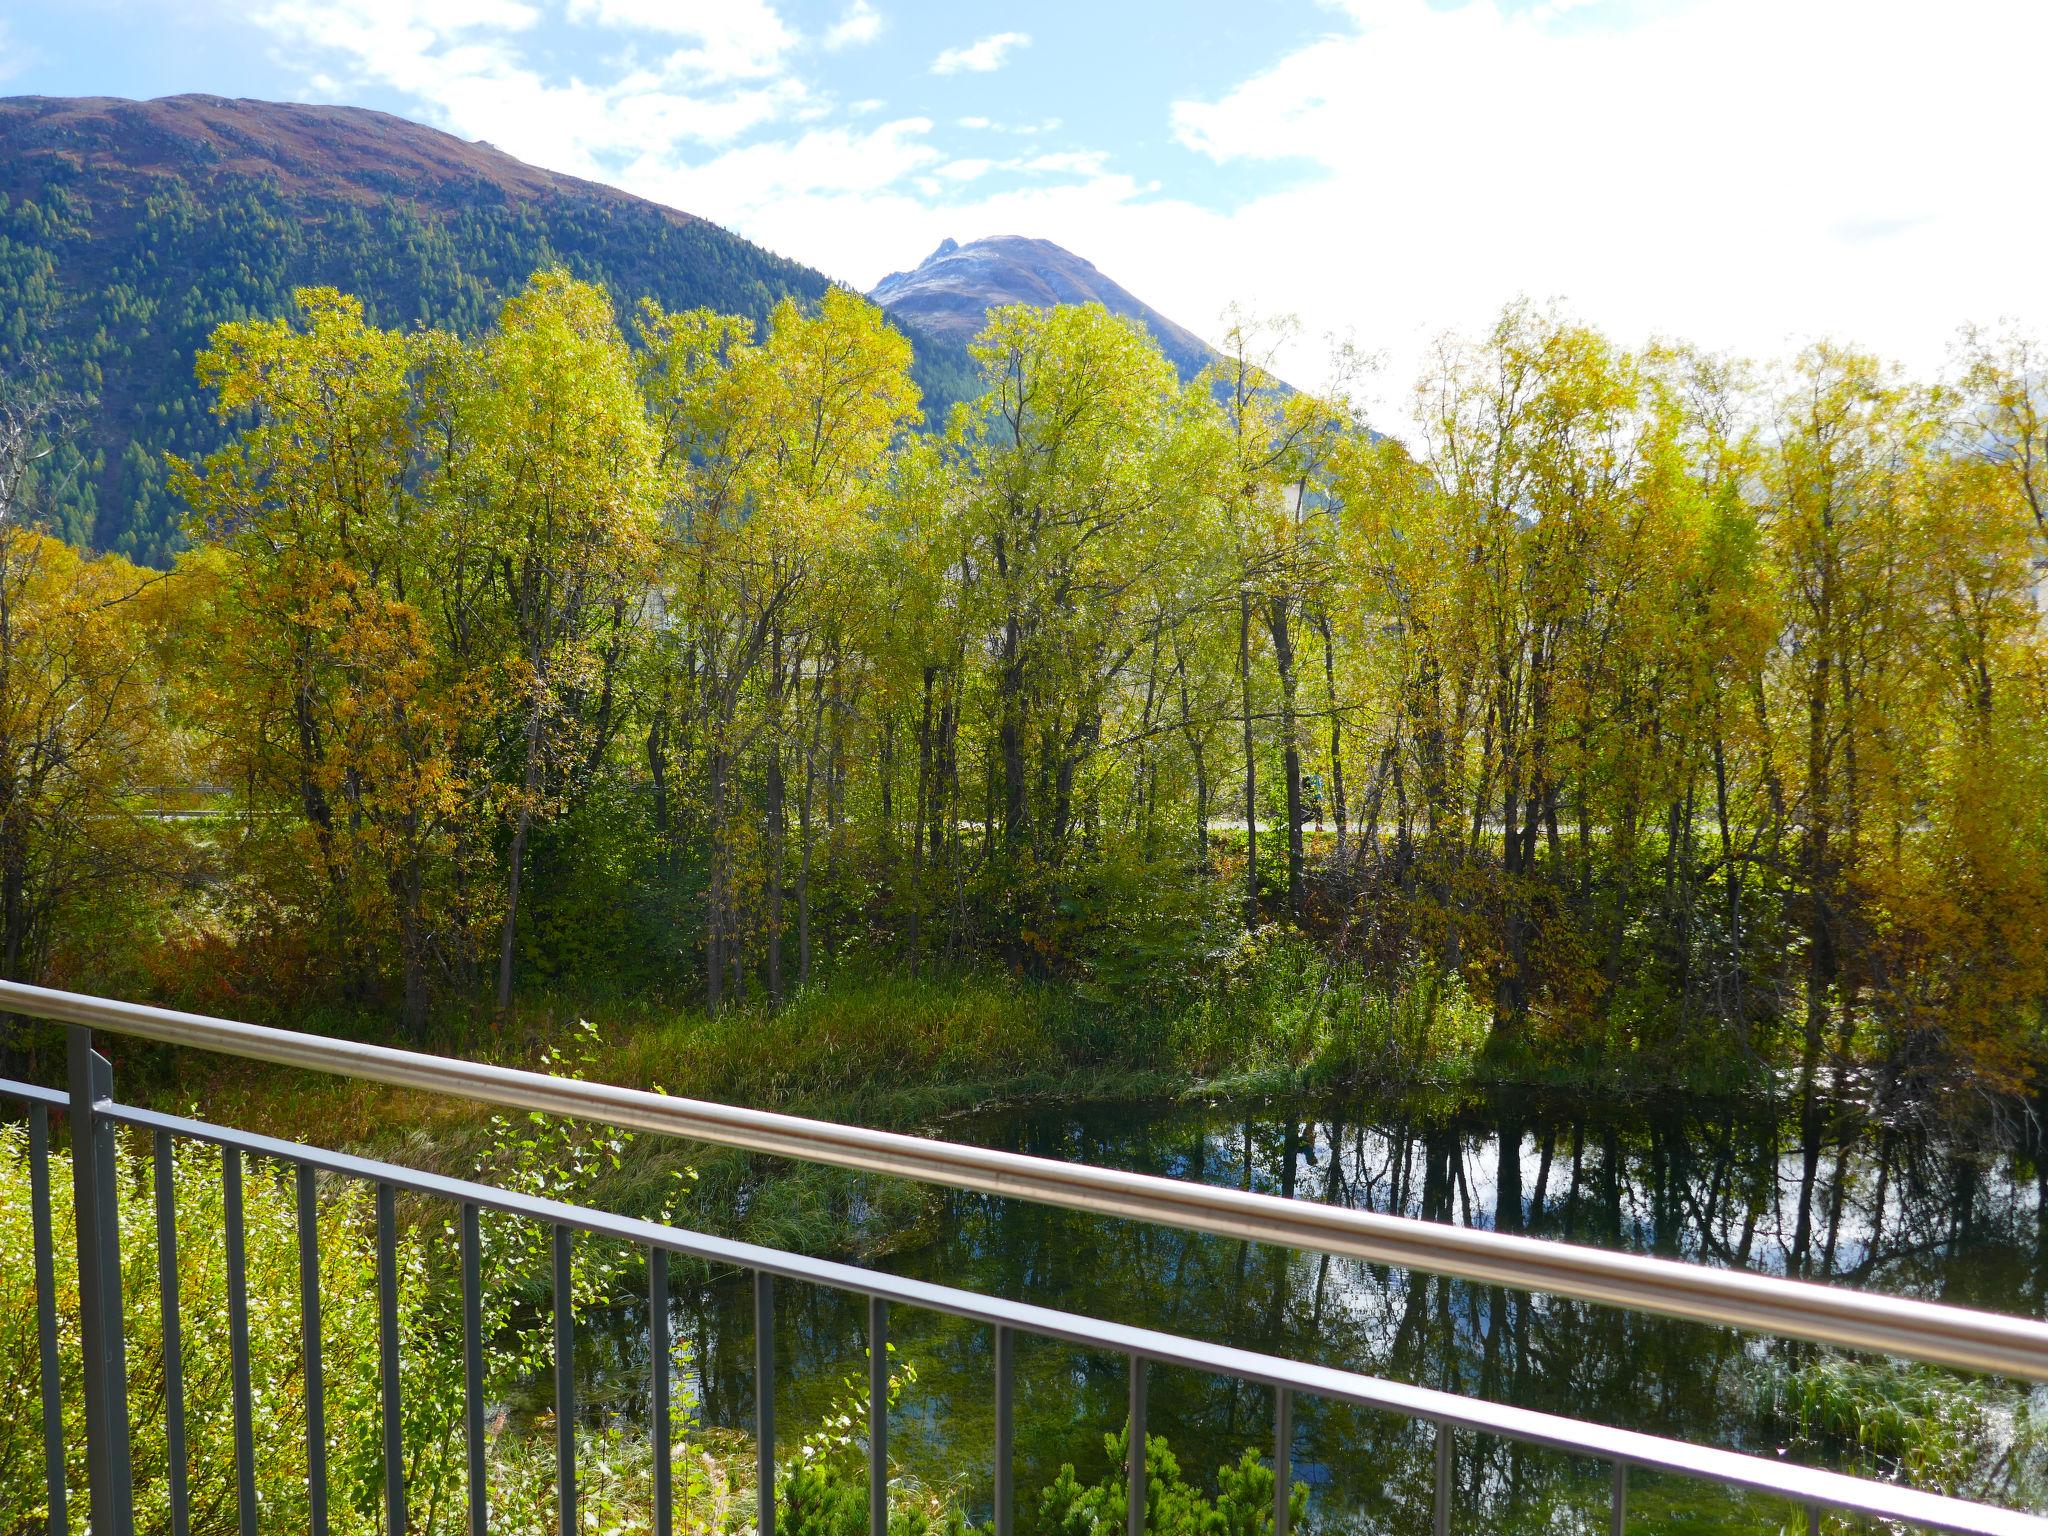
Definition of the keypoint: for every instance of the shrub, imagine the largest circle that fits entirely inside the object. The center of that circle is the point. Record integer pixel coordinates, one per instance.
(1243, 1505)
(538, 1156)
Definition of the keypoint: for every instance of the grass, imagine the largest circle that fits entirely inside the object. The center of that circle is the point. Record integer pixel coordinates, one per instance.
(1970, 1437)
(1276, 1017)
(899, 1050)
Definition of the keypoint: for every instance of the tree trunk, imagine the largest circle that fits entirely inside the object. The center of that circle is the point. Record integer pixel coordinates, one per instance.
(1010, 731)
(657, 776)
(412, 948)
(1340, 812)
(508, 934)
(777, 831)
(714, 897)
(1251, 762)
(804, 836)
(1280, 624)
(529, 783)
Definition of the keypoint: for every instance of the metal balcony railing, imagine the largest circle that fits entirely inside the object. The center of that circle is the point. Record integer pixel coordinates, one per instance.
(1949, 1336)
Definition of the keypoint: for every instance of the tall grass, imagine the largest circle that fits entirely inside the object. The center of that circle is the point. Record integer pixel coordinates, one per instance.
(348, 1331)
(1281, 1012)
(1967, 1436)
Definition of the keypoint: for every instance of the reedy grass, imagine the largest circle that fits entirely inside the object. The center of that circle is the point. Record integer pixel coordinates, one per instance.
(1276, 1017)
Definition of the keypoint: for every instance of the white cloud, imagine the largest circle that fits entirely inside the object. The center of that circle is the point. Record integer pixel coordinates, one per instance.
(734, 39)
(464, 61)
(982, 56)
(859, 23)
(1071, 162)
(1748, 173)
(860, 236)
(989, 125)
(825, 162)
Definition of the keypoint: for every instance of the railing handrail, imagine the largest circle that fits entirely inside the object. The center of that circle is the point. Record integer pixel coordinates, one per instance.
(1813, 1486)
(1964, 1338)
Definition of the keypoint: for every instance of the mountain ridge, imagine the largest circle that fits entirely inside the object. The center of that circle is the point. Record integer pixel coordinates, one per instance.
(297, 144)
(950, 292)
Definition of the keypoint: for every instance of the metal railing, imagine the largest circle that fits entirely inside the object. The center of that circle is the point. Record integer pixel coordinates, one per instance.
(1938, 1334)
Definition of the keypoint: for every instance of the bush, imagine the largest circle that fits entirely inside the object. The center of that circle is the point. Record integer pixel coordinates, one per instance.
(539, 1156)
(825, 1492)
(1243, 1505)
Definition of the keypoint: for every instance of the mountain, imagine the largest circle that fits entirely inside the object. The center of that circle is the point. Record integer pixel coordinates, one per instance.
(950, 292)
(129, 229)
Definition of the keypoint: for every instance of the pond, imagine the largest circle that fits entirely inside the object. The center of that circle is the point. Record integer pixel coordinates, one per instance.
(1827, 1196)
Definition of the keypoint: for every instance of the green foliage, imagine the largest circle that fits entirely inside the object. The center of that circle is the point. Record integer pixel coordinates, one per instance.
(545, 1157)
(1967, 1436)
(1243, 1505)
(607, 913)
(864, 1034)
(824, 1492)
(1279, 1005)
(551, 1157)
(116, 279)
(1641, 720)
(430, 1356)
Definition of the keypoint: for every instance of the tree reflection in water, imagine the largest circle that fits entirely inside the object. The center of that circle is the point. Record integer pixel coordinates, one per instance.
(1936, 1213)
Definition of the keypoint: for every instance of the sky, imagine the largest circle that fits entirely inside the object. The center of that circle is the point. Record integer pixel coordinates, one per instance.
(1748, 175)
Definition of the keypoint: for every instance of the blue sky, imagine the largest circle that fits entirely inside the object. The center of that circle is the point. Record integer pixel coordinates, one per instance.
(1056, 77)
(1746, 173)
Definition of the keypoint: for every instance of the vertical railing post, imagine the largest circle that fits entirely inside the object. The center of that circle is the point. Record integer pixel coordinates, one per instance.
(309, 1350)
(46, 1316)
(1617, 1501)
(1442, 1523)
(764, 1402)
(565, 1382)
(173, 1338)
(1134, 1454)
(1283, 1460)
(473, 1368)
(387, 1361)
(1006, 1390)
(236, 1244)
(658, 1364)
(878, 1417)
(91, 1080)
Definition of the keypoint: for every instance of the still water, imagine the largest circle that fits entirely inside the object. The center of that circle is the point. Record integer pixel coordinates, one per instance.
(1832, 1196)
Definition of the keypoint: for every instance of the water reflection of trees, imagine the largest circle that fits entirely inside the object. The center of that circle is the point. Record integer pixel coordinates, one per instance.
(1917, 1212)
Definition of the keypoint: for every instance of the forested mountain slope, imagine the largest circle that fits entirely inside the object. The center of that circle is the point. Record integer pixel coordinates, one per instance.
(130, 229)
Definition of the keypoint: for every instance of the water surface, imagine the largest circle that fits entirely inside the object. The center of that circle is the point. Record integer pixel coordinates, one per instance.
(1830, 1196)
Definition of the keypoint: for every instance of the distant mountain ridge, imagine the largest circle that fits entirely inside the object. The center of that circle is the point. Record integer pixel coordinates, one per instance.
(130, 229)
(353, 154)
(949, 294)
